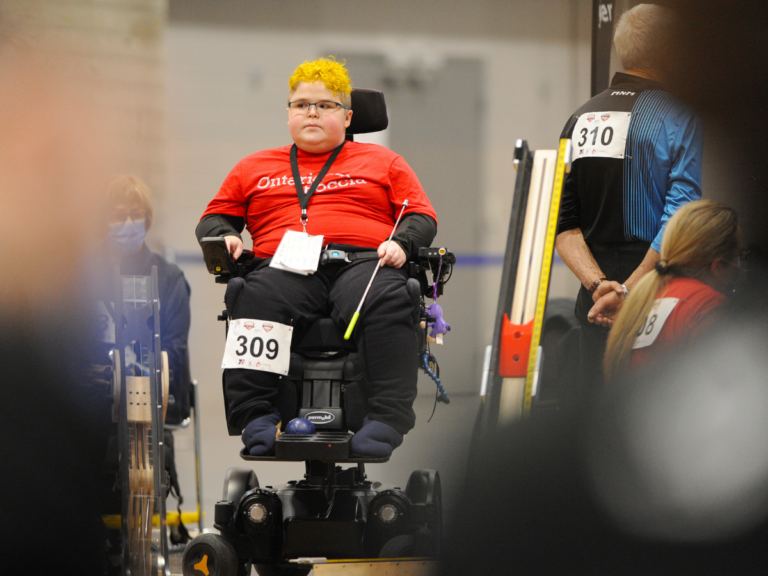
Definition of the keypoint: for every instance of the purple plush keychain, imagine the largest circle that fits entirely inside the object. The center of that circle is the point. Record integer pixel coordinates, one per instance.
(439, 326)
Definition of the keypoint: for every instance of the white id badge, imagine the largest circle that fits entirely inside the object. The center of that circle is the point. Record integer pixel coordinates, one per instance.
(258, 345)
(600, 134)
(654, 322)
(298, 252)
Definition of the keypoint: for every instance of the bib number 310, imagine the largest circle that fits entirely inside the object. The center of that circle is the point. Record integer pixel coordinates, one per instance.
(258, 345)
(600, 135)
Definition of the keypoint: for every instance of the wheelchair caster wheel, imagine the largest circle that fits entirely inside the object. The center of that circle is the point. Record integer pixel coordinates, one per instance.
(209, 555)
(421, 544)
(398, 547)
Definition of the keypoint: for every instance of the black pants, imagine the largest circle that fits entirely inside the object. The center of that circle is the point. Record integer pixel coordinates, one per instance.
(617, 265)
(384, 335)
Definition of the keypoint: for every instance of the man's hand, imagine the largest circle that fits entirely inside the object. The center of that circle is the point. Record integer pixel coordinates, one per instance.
(606, 309)
(391, 255)
(234, 246)
(605, 287)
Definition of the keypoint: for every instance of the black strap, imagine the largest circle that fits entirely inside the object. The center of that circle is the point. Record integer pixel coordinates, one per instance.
(367, 255)
(305, 196)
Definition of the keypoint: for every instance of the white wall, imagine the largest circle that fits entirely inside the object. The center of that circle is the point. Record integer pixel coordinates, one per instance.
(226, 90)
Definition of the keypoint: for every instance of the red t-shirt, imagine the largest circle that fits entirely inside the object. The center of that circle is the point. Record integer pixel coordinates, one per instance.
(356, 203)
(689, 319)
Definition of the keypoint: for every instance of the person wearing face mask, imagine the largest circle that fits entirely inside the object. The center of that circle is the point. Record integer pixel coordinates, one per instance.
(676, 302)
(127, 217)
(129, 212)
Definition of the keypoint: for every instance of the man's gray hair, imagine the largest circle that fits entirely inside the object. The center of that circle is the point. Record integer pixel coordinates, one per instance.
(642, 34)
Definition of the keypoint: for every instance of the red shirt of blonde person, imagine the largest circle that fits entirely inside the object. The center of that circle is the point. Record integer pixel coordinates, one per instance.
(676, 302)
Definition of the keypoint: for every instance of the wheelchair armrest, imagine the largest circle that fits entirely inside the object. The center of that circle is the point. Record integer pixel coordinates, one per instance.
(219, 261)
(439, 262)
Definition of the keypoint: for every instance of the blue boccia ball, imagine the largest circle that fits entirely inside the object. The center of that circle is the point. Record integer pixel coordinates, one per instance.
(300, 426)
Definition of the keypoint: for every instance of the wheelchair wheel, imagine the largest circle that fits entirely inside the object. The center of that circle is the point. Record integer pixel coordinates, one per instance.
(210, 555)
(237, 482)
(402, 546)
(424, 487)
(419, 545)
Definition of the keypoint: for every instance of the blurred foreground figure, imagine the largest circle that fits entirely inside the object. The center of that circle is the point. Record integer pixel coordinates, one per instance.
(49, 148)
(667, 474)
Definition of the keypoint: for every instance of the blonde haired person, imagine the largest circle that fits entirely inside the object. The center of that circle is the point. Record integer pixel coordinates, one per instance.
(353, 193)
(673, 304)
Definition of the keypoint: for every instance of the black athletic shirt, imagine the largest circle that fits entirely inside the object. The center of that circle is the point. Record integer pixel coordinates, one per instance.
(636, 159)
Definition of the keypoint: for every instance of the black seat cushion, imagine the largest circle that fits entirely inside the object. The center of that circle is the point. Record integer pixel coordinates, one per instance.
(345, 366)
(322, 336)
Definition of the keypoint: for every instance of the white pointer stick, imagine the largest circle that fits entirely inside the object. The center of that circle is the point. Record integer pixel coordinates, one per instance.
(351, 326)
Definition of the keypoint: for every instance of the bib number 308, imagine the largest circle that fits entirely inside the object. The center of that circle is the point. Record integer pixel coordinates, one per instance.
(258, 345)
(654, 322)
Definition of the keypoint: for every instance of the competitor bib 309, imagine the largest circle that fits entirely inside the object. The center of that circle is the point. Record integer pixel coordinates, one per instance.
(258, 345)
(600, 134)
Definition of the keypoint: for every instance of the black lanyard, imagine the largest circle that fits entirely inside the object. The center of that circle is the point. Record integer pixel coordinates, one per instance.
(304, 197)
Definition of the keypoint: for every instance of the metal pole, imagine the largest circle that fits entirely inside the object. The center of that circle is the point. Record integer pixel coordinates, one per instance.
(158, 438)
(198, 461)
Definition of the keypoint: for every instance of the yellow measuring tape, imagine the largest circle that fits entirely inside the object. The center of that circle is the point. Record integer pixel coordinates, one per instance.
(546, 267)
(112, 521)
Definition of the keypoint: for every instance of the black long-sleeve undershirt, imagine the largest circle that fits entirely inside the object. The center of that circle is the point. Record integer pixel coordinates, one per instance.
(415, 230)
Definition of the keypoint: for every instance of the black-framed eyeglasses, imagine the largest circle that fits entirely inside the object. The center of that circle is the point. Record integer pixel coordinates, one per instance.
(322, 107)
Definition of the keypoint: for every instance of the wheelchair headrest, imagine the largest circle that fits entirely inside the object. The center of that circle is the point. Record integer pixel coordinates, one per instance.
(369, 112)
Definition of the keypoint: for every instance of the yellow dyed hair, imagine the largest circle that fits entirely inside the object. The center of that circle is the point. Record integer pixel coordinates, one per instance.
(329, 72)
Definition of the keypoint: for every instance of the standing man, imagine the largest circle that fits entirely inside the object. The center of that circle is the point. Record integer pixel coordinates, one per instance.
(637, 159)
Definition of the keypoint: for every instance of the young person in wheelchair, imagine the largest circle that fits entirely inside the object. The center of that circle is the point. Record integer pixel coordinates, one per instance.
(350, 193)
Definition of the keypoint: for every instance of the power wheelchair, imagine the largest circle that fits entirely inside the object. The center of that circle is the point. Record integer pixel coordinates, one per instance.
(331, 513)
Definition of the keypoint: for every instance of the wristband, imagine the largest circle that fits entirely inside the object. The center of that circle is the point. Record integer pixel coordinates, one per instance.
(595, 284)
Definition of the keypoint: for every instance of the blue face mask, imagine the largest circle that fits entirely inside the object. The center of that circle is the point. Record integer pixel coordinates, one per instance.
(127, 238)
